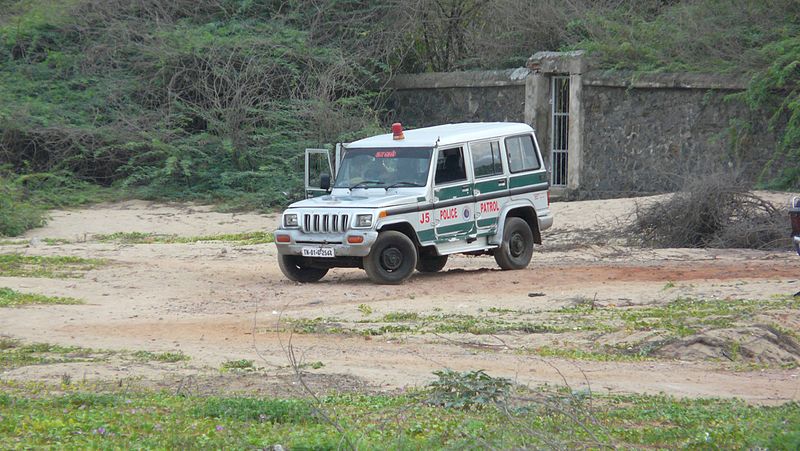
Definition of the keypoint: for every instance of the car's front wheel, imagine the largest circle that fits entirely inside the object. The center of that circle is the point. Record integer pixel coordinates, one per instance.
(293, 268)
(392, 258)
(516, 250)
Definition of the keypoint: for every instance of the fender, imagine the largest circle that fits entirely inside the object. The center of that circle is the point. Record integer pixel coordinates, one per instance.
(501, 221)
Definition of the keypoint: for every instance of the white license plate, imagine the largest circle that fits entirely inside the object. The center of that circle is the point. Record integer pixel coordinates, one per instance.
(318, 252)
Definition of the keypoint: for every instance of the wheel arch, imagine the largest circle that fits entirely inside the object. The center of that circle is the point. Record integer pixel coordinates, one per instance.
(526, 212)
(403, 227)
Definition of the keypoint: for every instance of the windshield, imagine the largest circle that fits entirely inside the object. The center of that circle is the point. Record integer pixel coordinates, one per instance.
(384, 168)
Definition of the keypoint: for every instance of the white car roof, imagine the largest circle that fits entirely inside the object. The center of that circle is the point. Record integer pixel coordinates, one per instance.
(444, 135)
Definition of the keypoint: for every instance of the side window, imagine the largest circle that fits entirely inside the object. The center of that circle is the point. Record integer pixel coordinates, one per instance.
(486, 159)
(450, 166)
(521, 154)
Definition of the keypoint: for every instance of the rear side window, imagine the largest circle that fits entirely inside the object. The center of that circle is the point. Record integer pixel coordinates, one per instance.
(486, 159)
(521, 154)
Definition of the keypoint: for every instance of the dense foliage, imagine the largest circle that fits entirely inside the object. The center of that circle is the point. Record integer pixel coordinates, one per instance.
(215, 99)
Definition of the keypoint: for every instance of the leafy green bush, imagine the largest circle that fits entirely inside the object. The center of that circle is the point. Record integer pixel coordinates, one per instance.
(17, 215)
(777, 91)
(467, 389)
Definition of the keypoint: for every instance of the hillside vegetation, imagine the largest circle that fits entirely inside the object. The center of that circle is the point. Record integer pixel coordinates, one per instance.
(214, 100)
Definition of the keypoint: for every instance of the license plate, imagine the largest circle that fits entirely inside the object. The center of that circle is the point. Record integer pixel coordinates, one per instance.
(326, 252)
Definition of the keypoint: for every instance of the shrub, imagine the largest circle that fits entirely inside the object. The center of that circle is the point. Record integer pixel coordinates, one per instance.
(467, 389)
(17, 215)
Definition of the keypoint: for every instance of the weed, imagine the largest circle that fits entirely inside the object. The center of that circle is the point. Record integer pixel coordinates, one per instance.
(262, 410)
(167, 357)
(365, 309)
(467, 389)
(248, 238)
(17, 265)
(240, 365)
(11, 298)
(14, 354)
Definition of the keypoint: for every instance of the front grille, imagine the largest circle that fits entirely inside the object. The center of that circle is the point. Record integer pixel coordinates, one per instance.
(325, 223)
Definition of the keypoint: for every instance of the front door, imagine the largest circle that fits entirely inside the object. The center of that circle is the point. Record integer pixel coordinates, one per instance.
(318, 163)
(453, 217)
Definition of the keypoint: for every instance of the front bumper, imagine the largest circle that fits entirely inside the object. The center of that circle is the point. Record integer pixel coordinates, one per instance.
(341, 248)
(796, 240)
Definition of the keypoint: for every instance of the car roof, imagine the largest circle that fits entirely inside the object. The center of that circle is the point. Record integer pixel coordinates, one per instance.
(443, 135)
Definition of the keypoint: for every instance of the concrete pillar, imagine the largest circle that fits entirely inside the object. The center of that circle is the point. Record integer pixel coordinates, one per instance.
(575, 140)
(537, 110)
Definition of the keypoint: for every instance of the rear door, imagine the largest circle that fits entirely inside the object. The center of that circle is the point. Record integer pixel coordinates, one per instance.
(453, 201)
(490, 186)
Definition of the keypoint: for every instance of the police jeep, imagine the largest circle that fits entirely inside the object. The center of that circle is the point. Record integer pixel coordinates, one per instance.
(407, 200)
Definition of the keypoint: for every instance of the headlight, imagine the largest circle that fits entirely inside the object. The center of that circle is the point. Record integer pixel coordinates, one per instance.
(364, 220)
(290, 220)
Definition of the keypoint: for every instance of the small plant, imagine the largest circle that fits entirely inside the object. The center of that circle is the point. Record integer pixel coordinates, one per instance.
(167, 357)
(365, 309)
(240, 365)
(11, 298)
(58, 267)
(471, 389)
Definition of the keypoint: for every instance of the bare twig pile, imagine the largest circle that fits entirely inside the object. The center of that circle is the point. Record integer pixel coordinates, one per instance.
(714, 210)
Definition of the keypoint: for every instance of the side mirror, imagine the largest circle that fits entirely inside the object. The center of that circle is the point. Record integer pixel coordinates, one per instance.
(325, 181)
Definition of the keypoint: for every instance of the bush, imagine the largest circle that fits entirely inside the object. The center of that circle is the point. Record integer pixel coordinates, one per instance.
(711, 210)
(17, 215)
(467, 389)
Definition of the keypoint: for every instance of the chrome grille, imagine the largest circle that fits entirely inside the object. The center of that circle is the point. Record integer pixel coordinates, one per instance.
(325, 223)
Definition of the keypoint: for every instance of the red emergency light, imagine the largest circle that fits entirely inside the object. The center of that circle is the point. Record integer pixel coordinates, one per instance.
(397, 131)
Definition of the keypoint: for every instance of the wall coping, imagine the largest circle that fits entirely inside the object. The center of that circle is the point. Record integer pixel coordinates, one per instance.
(630, 79)
(464, 79)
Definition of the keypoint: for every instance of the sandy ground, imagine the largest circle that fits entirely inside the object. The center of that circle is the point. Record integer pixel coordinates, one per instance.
(219, 301)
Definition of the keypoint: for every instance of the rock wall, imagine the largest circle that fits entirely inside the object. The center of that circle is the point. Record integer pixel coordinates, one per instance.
(636, 133)
(648, 137)
(440, 98)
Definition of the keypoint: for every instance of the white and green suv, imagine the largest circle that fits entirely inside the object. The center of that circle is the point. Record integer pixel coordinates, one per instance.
(406, 200)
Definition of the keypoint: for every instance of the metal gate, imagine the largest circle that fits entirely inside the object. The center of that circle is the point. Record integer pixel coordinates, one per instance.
(559, 130)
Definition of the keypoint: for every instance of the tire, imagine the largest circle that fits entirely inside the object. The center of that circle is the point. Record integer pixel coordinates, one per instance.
(292, 267)
(516, 250)
(392, 258)
(431, 264)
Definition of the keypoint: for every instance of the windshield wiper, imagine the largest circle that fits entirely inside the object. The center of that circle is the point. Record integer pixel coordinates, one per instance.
(366, 182)
(395, 185)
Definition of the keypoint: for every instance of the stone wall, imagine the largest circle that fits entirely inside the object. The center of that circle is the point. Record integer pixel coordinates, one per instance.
(649, 134)
(628, 133)
(432, 99)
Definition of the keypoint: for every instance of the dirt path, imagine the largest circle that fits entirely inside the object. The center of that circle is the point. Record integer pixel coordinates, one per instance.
(218, 302)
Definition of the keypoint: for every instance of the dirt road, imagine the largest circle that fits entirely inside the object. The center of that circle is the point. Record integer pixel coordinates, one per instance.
(570, 316)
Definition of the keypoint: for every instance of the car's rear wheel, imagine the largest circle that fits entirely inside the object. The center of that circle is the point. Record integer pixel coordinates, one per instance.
(516, 250)
(431, 264)
(294, 269)
(392, 258)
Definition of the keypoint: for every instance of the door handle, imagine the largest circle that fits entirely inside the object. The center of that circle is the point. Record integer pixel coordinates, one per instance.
(465, 189)
(501, 183)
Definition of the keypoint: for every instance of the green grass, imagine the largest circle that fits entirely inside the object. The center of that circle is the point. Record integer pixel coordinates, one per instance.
(15, 354)
(166, 357)
(75, 418)
(247, 238)
(11, 298)
(238, 365)
(59, 267)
